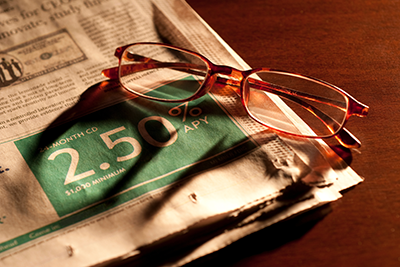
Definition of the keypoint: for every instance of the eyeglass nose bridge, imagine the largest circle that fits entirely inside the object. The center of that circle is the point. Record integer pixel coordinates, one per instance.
(228, 71)
(226, 75)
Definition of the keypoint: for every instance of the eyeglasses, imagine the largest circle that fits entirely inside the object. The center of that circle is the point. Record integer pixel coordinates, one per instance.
(286, 102)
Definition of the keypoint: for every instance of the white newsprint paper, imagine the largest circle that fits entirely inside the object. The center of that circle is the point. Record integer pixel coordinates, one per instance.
(91, 175)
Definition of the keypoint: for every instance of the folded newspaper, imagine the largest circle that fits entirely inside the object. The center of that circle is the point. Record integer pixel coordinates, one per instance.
(92, 176)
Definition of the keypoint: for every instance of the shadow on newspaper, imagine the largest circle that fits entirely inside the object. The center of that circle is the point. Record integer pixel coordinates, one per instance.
(104, 125)
(182, 247)
(113, 142)
(103, 109)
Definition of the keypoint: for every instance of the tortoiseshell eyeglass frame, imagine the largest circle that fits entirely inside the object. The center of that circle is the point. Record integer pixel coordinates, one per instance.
(236, 78)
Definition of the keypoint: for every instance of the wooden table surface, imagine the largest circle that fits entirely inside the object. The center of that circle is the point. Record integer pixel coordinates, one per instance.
(354, 44)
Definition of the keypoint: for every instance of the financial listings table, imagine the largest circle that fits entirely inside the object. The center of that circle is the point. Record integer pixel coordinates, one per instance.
(356, 46)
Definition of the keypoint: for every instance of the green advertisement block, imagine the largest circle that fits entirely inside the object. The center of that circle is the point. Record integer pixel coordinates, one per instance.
(129, 149)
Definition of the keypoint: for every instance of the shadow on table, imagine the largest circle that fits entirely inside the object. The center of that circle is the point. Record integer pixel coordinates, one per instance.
(265, 240)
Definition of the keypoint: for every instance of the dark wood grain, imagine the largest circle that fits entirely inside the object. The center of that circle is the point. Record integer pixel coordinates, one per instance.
(355, 45)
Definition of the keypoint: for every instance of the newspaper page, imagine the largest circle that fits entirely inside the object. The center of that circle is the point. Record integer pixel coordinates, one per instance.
(84, 178)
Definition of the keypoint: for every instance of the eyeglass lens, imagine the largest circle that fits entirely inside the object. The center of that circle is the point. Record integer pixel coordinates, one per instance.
(165, 70)
(314, 108)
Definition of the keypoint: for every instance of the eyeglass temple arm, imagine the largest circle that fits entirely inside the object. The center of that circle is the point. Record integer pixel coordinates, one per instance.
(344, 136)
(148, 63)
(355, 107)
(112, 73)
(283, 92)
(191, 68)
(286, 92)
